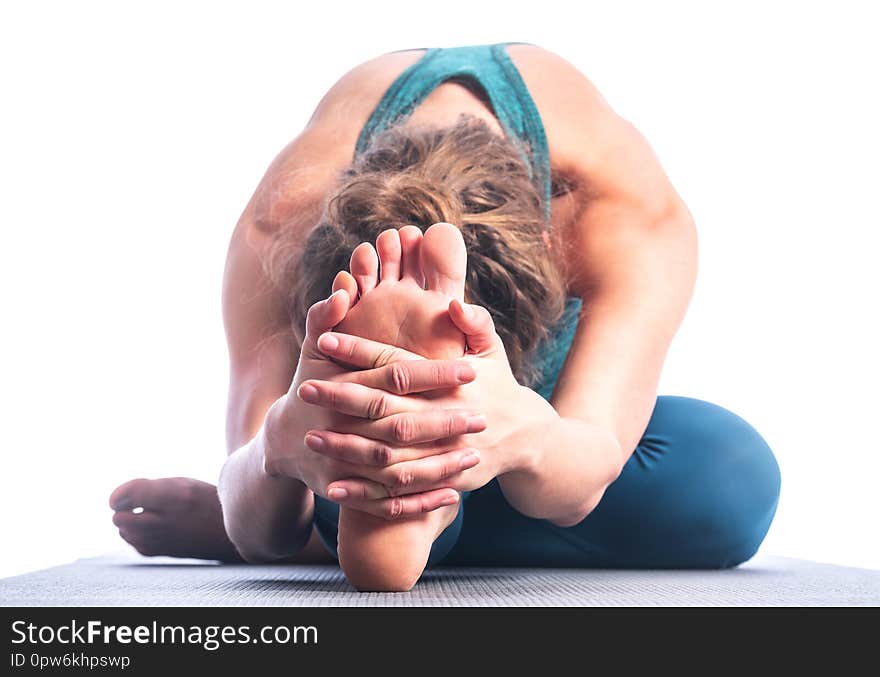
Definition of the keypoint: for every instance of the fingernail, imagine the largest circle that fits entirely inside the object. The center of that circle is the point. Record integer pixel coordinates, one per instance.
(450, 500)
(124, 504)
(470, 460)
(314, 442)
(337, 494)
(307, 392)
(476, 423)
(468, 310)
(328, 342)
(465, 373)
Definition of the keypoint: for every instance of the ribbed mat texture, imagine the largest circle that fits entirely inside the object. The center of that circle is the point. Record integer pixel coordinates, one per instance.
(111, 581)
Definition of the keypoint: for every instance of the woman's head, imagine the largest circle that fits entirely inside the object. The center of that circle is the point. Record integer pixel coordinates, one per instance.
(465, 175)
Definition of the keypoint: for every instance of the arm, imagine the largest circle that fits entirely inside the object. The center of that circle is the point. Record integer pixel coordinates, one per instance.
(267, 484)
(630, 250)
(265, 517)
(290, 196)
(633, 258)
(555, 461)
(258, 507)
(641, 282)
(632, 254)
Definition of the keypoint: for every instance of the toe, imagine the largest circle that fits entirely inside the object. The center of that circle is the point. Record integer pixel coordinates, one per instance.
(326, 314)
(365, 267)
(410, 244)
(444, 260)
(134, 522)
(139, 493)
(344, 280)
(388, 246)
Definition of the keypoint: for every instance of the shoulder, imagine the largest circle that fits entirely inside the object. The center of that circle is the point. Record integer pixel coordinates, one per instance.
(350, 100)
(553, 69)
(576, 117)
(588, 140)
(623, 199)
(562, 92)
(298, 179)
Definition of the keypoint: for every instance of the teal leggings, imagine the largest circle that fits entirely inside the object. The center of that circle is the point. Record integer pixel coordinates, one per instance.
(699, 491)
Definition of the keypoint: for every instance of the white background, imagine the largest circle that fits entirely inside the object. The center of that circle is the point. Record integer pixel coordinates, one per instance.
(132, 137)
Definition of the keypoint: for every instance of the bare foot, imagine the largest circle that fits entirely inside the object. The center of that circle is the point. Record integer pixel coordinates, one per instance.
(404, 301)
(404, 293)
(181, 517)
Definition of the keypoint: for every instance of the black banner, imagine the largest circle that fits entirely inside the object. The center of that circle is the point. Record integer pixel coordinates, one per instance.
(154, 641)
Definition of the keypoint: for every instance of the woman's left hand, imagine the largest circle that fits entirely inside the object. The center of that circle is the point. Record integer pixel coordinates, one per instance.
(507, 406)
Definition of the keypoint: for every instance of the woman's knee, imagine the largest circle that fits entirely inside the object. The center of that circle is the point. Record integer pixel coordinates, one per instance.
(733, 476)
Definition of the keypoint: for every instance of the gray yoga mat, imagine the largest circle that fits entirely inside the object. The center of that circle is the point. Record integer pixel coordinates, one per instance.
(111, 581)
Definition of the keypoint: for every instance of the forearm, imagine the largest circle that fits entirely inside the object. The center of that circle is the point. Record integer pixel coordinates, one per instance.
(565, 467)
(266, 517)
(638, 274)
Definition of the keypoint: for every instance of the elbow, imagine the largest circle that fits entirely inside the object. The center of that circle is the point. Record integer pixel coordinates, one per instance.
(582, 509)
(245, 530)
(250, 556)
(673, 218)
(570, 520)
(256, 555)
(678, 229)
(671, 245)
(580, 512)
(255, 548)
(260, 538)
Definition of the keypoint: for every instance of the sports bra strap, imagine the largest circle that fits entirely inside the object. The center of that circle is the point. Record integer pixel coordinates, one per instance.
(487, 68)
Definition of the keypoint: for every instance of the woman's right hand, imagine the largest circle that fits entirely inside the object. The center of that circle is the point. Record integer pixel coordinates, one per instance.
(434, 451)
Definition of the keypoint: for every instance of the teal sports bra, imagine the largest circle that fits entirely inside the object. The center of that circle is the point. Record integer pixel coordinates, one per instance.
(489, 70)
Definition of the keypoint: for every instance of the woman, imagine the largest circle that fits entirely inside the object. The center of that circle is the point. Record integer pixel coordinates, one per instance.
(476, 393)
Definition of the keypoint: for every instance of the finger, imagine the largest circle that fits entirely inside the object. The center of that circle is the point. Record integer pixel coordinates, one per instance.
(326, 314)
(344, 280)
(388, 248)
(442, 470)
(132, 521)
(353, 399)
(476, 324)
(139, 493)
(361, 353)
(415, 376)
(416, 427)
(360, 450)
(364, 266)
(401, 506)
